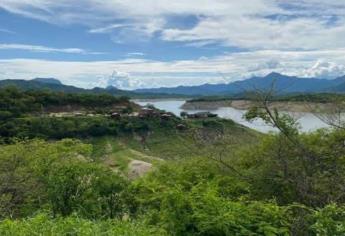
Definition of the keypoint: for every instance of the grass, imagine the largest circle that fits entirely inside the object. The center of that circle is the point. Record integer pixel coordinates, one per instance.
(114, 153)
(109, 151)
(166, 143)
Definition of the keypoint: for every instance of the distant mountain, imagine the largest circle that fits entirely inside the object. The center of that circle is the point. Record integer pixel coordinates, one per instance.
(37, 84)
(57, 86)
(47, 80)
(34, 84)
(339, 88)
(281, 83)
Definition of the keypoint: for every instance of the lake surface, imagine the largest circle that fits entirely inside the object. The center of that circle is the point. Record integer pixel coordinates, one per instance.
(308, 122)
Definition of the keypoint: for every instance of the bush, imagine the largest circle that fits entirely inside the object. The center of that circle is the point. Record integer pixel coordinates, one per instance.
(192, 199)
(58, 176)
(330, 221)
(43, 224)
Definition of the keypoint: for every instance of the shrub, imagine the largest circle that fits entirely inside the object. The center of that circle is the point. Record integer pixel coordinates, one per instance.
(329, 221)
(43, 224)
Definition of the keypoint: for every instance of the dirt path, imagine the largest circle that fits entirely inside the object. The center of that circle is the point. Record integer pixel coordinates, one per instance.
(139, 163)
(137, 169)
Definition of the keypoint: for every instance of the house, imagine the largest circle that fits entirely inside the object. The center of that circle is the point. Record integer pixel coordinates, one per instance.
(148, 112)
(166, 116)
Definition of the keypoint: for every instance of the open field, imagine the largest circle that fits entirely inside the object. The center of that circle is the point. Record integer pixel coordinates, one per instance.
(164, 144)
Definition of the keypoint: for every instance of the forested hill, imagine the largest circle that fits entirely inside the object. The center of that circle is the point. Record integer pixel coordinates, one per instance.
(15, 102)
(56, 86)
(151, 173)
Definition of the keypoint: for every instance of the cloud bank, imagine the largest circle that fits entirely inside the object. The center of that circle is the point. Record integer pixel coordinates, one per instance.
(295, 37)
(142, 73)
(253, 24)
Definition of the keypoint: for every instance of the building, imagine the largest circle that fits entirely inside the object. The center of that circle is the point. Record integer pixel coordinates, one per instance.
(201, 115)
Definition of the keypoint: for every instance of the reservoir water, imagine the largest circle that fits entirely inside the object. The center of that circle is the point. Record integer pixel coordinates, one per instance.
(308, 121)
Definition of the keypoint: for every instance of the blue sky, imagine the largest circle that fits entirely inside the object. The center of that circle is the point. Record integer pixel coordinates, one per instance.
(135, 44)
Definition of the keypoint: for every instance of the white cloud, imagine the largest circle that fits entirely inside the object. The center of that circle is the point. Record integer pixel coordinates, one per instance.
(254, 24)
(136, 54)
(6, 31)
(121, 80)
(324, 69)
(38, 48)
(295, 37)
(106, 29)
(140, 73)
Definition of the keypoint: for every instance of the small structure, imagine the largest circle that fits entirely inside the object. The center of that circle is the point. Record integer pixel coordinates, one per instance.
(115, 115)
(78, 114)
(190, 116)
(202, 115)
(148, 112)
(166, 116)
(212, 115)
(181, 127)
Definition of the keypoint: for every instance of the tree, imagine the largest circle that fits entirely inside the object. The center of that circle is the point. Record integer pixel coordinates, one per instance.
(297, 166)
(183, 114)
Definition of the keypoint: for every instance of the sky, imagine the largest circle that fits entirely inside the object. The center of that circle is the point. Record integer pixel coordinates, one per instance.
(134, 44)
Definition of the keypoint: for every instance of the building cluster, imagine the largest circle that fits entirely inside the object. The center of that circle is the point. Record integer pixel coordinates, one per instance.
(145, 112)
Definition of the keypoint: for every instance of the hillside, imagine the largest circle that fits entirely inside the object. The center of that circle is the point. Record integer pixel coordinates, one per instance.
(57, 86)
(339, 88)
(148, 172)
(48, 81)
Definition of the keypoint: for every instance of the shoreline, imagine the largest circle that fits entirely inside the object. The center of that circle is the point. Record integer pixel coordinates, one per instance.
(288, 106)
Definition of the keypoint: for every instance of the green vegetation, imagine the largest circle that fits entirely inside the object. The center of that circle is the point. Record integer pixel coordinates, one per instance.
(186, 197)
(50, 84)
(73, 175)
(17, 103)
(44, 224)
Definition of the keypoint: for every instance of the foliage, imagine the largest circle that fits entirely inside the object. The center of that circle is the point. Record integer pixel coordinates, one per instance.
(330, 221)
(79, 127)
(216, 177)
(187, 197)
(43, 224)
(58, 176)
(194, 199)
(16, 103)
(303, 168)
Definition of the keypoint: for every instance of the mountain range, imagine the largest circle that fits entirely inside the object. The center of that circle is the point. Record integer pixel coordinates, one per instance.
(280, 83)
